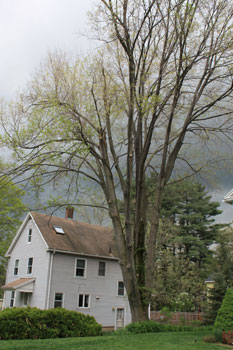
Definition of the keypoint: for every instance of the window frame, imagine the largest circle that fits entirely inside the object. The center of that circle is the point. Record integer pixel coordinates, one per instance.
(84, 295)
(54, 299)
(29, 267)
(59, 230)
(100, 269)
(83, 269)
(16, 267)
(12, 298)
(120, 289)
(29, 236)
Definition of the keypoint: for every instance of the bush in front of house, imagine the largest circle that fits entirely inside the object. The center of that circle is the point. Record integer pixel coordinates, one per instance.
(155, 327)
(145, 327)
(33, 323)
(224, 319)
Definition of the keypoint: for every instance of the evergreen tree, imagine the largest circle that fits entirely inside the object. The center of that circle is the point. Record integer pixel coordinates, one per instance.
(187, 230)
(221, 272)
(224, 319)
(189, 207)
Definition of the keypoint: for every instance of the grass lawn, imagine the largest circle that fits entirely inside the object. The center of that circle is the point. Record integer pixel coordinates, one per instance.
(149, 341)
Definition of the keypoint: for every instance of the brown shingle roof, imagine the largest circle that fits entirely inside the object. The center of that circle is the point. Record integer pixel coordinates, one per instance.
(18, 283)
(81, 238)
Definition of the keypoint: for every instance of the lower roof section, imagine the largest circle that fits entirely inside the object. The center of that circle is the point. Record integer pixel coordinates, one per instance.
(25, 285)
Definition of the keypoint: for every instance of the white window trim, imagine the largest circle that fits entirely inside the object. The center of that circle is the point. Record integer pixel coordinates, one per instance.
(85, 270)
(63, 298)
(104, 268)
(120, 296)
(16, 274)
(30, 273)
(89, 301)
(29, 230)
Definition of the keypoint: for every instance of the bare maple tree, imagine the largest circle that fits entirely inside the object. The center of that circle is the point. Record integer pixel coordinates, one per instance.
(162, 80)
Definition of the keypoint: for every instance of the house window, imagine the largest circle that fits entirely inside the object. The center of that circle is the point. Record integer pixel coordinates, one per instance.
(16, 268)
(58, 300)
(84, 300)
(30, 262)
(80, 268)
(12, 301)
(121, 288)
(30, 235)
(101, 271)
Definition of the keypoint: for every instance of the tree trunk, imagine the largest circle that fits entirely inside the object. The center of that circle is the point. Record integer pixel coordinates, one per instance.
(138, 304)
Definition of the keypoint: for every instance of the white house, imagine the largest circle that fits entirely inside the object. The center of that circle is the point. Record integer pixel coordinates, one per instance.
(59, 262)
(229, 197)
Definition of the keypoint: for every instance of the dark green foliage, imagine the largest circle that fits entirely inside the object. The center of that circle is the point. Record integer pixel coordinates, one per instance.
(145, 327)
(221, 273)
(156, 327)
(187, 229)
(215, 297)
(188, 205)
(224, 319)
(218, 335)
(33, 323)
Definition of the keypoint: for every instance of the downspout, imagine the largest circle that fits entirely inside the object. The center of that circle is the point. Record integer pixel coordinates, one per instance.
(49, 278)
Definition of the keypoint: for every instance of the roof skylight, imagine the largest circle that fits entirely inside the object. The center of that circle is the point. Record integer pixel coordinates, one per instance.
(59, 230)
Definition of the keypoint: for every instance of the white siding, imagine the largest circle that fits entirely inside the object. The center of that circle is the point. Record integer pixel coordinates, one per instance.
(102, 290)
(22, 251)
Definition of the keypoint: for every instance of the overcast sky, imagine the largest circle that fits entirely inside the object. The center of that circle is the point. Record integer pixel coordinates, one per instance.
(30, 28)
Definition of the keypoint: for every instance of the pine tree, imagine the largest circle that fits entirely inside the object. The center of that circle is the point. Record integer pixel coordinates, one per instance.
(189, 206)
(224, 318)
(221, 272)
(187, 230)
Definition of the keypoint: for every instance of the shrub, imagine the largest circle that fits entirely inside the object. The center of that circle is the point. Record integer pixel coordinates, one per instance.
(210, 339)
(224, 319)
(145, 327)
(227, 337)
(155, 327)
(33, 323)
(197, 323)
(218, 334)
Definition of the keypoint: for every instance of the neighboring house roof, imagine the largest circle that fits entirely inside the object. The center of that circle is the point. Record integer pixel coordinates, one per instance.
(229, 197)
(22, 284)
(74, 237)
(210, 279)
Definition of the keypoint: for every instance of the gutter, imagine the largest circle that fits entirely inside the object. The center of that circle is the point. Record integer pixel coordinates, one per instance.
(82, 254)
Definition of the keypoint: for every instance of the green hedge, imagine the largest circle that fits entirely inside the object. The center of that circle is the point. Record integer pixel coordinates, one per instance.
(33, 323)
(154, 327)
